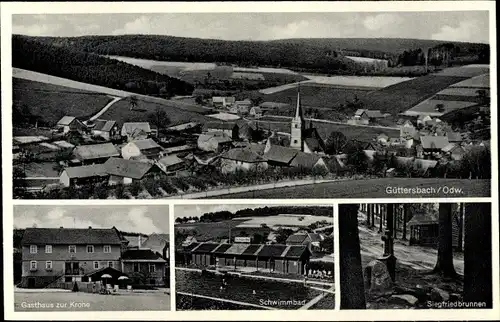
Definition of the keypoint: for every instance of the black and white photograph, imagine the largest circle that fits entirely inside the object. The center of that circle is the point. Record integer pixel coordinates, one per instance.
(254, 257)
(303, 105)
(416, 256)
(91, 258)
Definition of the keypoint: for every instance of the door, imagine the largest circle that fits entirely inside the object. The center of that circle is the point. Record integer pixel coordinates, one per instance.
(31, 282)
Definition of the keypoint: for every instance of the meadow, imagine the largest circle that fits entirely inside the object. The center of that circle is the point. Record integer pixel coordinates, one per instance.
(289, 220)
(206, 231)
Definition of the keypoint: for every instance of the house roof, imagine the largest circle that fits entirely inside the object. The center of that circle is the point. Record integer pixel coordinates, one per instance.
(221, 125)
(104, 125)
(369, 113)
(280, 154)
(219, 137)
(236, 249)
(305, 160)
(221, 99)
(71, 236)
(156, 240)
(295, 251)
(421, 164)
(273, 105)
(434, 142)
(170, 160)
(422, 117)
(131, 127)
(256, 110)
(127, 168)
(272, 250)
(251, 249)
(146, 144)
(96, 151)
(191, 246)
(315, 237)
(221, 249)
(86, 171)
(205, 247)
(296, 238)
(141, 254)
(450, 147)
(243, 154)
(424, 219)
(66, 120)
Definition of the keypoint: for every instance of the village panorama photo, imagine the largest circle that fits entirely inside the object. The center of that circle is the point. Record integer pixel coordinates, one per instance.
(251, 105)
(91, 258)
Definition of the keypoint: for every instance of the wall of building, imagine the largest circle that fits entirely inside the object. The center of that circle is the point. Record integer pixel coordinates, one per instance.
(130, 150)
(158, 275)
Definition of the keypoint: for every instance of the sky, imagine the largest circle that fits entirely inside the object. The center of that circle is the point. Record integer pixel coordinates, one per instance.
(139, 219)
(471, 26)
(198, 210)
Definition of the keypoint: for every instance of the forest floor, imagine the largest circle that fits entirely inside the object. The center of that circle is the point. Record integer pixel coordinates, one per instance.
(414, 286)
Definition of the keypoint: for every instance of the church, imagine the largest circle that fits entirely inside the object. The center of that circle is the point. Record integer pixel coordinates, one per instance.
(304, 139)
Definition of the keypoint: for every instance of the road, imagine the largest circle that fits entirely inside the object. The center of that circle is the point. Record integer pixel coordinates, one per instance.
(332, 122)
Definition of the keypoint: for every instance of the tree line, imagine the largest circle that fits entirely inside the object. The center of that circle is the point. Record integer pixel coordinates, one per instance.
(72, 63)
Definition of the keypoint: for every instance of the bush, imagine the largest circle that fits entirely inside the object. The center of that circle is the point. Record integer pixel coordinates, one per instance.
(100, 192)
(152, 186)
(197, 183)
(120, 192)
(135, 188)
(180, 183)
(167, 186)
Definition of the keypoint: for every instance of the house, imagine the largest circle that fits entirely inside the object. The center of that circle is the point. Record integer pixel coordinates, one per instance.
(95, 153)
(189, 126)
(424, 228)
(454, 151)
(433, 144)
(243, 109)
(277, 155)
(308, 161)
(179, 149)
(147, 149)
(170, 164)
(123, 171)
(242, 159)
(382, 138)
(256, 111)
(282, 259)
(69, 124)
(107, 130)
(273, 106)
(222, 102)
(158, 243)
(311, 240)
(136, 130)
(244, 103)
(231, 129)
(147, 262)
(423, 119)
(214, 141)
(87, 174)
(407, 130)
(68, 254)
(454, 137)
(423, 168)
(368, 115)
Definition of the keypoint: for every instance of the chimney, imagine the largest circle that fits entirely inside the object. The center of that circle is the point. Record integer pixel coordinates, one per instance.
(90, 227)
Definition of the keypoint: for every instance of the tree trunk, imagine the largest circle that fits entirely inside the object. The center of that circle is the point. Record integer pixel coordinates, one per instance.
(444, 263)
(351, 273)
(405, 219)
(477, 254)
(390, 219)
(375, 207)
(396, 216)
(460, 227)
(368, 215)
(381, 219)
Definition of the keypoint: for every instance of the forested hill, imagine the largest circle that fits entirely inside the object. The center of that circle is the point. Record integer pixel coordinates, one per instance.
(326, 54)
(73, 63)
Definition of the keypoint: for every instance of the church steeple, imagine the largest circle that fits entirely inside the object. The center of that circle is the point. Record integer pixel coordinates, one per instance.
(297, 125)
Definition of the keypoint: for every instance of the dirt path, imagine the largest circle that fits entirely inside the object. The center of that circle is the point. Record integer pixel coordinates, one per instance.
(417, 257)
(105, 108)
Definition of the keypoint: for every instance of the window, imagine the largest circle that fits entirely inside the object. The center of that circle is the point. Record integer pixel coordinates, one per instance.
(72, 248)
(136, 267)
(96, 265)
(294, 141)
(48, 265)
(152, 268)
(296, 126)
(110, 264)
(48, 249)
(33, 265)
(107, 248)
(33, 249)
(90, 248)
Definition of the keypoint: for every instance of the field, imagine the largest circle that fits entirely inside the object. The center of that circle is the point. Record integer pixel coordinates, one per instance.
(282, 220)
(376, 188)
(241, 289)
(219, 230)
(400, 97)
(362, 133)
(428, 107)
(481, 81)
(460, 91)
(466, 71)
(157, 301)
(51, 102)
(370, 82)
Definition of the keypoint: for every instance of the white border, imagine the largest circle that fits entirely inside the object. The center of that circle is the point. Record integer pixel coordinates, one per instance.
(318, 315)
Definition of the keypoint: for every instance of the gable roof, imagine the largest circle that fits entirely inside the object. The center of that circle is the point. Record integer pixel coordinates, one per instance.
(295, 251)
(86, 171)
(272, 250)
(205, 247)
(66, 120)
(221, 125)
(305, 160)
(454, 136)
(103, 125)
(71, 236)
(129, 128)
(218, 137)
(170, 160)
(141, 254)
(451, 147)
(434, 142)
(96, 151)
(236, 249)
(272, 105)
(146, 144)
(127, 168)
(424, 219)
(242, 154)
(280, 154)
(297, 238)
